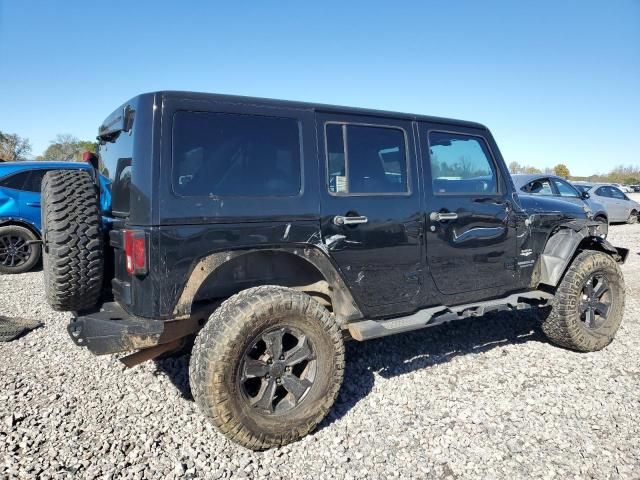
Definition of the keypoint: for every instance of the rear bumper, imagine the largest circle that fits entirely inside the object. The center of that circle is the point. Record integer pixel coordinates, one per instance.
(111, 330)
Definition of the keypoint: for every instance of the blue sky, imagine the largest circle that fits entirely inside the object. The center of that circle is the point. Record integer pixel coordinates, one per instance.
(555, 81)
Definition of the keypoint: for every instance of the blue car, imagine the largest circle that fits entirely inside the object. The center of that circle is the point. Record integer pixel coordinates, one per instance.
(20, 229)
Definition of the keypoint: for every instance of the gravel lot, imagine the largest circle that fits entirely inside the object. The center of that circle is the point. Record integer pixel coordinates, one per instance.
(486, 398)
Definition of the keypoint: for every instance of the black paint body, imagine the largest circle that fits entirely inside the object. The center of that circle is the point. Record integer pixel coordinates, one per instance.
(398, 262)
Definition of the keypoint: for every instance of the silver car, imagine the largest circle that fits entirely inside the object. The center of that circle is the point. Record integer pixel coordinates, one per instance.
(620, 207)
(551, 185)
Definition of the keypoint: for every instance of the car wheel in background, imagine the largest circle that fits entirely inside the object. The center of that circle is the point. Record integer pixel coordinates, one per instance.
(633, 217)
(19, 249)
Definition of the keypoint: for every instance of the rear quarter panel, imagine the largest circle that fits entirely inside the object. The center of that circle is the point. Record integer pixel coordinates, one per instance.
(182, 230)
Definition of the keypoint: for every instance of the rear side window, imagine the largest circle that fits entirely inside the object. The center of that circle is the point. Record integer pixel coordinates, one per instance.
(223, 154)
(15, 181)
(461, 164)
(34, 182)
(366, 159)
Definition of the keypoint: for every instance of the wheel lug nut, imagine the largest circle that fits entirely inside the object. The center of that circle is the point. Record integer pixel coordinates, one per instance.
(269, 361)
(267, 376)
(278, 381)
(281, 357)
(287, 369)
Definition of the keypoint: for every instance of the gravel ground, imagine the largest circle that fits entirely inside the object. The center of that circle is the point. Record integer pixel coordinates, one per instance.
(488, 398)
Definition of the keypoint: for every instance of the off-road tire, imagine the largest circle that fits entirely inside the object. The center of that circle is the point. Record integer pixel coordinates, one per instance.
(563, 325)
(27, 236)
(223, 342)
(72, 237)
(633, 218)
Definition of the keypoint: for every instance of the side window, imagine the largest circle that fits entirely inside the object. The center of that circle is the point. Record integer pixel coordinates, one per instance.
(602, 191)
(461, 164)
(565, 189)
(541, 186)
(34, 182)
(234, 155)
(617, 193)
(366, 159)
(15, 181)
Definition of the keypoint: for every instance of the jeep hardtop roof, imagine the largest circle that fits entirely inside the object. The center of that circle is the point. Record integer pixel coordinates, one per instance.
(316, 107)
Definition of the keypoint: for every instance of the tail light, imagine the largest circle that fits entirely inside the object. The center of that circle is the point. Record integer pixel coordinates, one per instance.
(135, 251)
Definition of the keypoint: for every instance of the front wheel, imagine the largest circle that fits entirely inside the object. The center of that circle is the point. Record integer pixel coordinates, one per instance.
(267, 366)
(633, 217)
(589, 304)
(19, 249)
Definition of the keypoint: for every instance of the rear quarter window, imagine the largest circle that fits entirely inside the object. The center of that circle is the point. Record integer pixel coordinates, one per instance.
(15, 181)
(235, 155)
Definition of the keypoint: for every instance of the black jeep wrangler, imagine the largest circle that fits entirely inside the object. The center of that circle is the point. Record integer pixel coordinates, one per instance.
(273, 231)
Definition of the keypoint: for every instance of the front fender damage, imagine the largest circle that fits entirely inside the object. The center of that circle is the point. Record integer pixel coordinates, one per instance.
(564, 244)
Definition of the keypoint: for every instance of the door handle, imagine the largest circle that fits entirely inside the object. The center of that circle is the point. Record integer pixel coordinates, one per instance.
(439, 217)
(340, 220)
(33, 204)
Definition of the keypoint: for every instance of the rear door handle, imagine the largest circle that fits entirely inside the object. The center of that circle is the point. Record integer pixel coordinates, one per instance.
(439, 217)
(340, 220)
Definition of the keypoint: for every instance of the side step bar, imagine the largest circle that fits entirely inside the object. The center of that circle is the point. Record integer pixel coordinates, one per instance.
(367, 329)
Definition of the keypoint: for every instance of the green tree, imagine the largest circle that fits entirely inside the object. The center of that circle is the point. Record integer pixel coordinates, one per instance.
(561, 170)
(13, 147)
(529, 169)
(67, 148)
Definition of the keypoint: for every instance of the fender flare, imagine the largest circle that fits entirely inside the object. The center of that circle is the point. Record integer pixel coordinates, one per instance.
(344, 306)
(563, 245)
(21, 222)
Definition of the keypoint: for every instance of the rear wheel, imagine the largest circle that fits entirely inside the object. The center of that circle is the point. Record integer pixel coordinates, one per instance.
(633, 217)
(73, 255)
(589, 304)
(267, 366)
(19, 249)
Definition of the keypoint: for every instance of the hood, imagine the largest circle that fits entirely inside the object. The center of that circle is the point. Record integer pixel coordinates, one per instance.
(537, 204)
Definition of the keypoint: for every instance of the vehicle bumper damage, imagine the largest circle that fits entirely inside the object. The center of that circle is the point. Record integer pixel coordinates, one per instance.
(112, 330)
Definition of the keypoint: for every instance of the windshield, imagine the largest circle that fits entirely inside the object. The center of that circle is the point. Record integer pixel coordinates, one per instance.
(583, 188)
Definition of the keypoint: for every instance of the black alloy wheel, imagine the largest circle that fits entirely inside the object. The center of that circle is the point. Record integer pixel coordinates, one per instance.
(19, 249)
(596, 300)
(277, 370)
(15, 250)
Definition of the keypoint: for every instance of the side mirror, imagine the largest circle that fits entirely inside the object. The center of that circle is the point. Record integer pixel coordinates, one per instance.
(585, 195)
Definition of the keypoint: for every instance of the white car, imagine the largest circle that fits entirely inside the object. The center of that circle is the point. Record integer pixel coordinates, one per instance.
(620, 207)
(623, 188)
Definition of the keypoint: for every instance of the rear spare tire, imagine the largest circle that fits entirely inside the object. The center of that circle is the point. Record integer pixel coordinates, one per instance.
(72, 237)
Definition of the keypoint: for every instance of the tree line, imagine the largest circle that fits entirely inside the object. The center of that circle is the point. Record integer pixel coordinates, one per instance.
(626, 175)
(64, 148)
